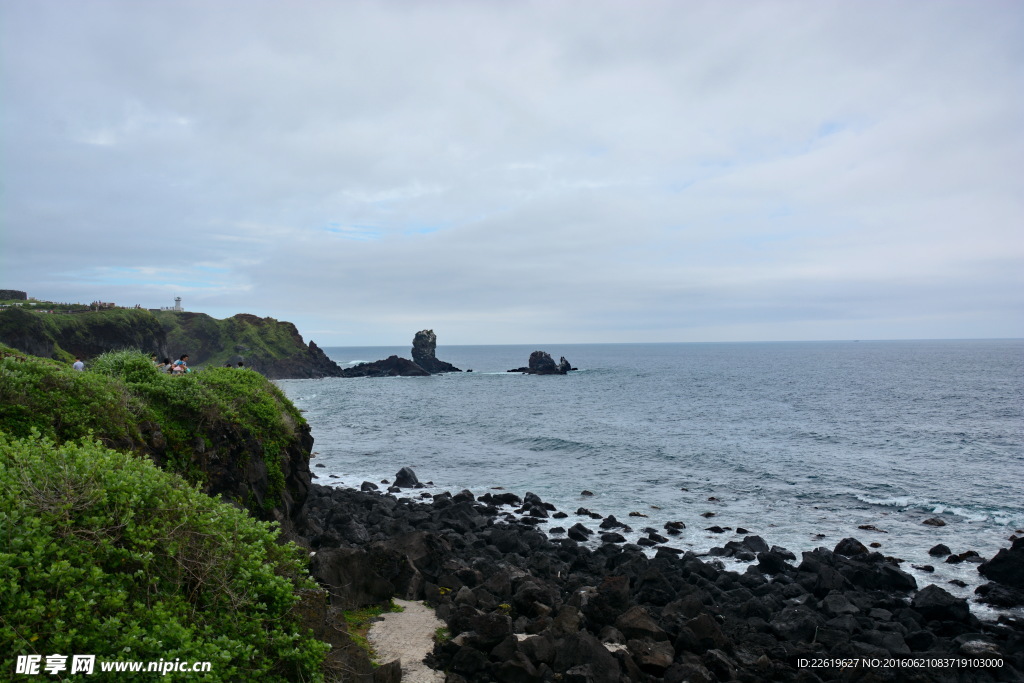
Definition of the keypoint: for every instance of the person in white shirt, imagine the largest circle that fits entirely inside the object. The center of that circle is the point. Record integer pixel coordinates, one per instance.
(78, 365)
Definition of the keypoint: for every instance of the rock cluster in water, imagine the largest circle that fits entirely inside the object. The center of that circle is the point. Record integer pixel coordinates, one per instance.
(541, 363)
(521, 606)
(423, 364)
(392, 366)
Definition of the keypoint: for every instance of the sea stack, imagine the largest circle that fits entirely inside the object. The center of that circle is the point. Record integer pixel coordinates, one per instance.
(541, 363)
(424, 346)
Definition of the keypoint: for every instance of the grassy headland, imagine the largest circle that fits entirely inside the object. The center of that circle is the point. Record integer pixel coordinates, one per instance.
(272, 347)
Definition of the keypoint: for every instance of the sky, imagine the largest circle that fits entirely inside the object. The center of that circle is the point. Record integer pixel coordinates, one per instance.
(522, 172)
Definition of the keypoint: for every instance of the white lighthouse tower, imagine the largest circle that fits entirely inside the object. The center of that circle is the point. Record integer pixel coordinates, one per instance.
(176, 307)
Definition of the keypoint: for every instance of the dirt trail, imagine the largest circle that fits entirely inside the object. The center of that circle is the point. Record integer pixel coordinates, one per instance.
(408, 636)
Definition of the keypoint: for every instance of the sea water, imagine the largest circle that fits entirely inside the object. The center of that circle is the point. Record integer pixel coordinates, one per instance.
(800, 443)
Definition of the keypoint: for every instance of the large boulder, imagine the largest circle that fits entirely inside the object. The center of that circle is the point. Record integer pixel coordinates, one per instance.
(1007, 567)
(424, 346)
(356, 577)
(407, 479)
(933, 602)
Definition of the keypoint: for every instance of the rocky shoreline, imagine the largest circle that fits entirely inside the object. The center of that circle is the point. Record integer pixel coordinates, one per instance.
(580, 605)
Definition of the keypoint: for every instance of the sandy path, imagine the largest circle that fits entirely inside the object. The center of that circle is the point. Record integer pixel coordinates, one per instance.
(407, 636)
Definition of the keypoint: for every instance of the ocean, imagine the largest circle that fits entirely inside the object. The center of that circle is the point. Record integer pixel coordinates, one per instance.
(801, 443)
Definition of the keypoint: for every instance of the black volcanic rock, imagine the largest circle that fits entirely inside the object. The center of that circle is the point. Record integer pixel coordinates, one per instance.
(407, 479)
(311, 363)
(490, 576)
(1007, 567)
(424, 345)
(392, 366)
(935, 603)
(541, 363)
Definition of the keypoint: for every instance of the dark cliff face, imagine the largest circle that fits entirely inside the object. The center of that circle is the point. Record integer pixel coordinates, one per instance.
(311, 364)
(25, 331)
(235, 467)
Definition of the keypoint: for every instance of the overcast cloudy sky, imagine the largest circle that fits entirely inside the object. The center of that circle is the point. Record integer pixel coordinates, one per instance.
(523, 172)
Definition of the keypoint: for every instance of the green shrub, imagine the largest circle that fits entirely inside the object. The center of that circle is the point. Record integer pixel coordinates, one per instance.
(61, 403)
(103, 553)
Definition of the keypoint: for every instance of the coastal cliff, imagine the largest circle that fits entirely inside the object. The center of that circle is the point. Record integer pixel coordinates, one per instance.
(272, 347)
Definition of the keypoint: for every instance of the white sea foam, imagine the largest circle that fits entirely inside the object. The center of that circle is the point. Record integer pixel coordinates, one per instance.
(896, 501)
(969, 515)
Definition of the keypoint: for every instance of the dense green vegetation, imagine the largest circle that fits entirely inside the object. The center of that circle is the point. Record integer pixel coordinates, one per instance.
(122, 391)
(60, 403)
(103, 553)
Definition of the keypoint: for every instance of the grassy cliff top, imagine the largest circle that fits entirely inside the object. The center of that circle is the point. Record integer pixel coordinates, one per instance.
(273, 347)
(211, 341)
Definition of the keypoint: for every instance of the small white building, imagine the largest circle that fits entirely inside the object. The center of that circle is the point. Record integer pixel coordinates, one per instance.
(176, 307)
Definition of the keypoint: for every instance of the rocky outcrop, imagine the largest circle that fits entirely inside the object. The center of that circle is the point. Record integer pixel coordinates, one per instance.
(1007, 567)
(424, 362)
(424, 346)
(392, 366)
(1005, 572)
(311, 363)
(541, 363)
(13, 295)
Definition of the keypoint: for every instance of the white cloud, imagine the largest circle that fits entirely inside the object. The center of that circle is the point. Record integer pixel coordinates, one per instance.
(519, 171)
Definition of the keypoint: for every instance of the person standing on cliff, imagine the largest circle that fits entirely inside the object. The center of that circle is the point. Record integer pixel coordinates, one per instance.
(78, 364)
